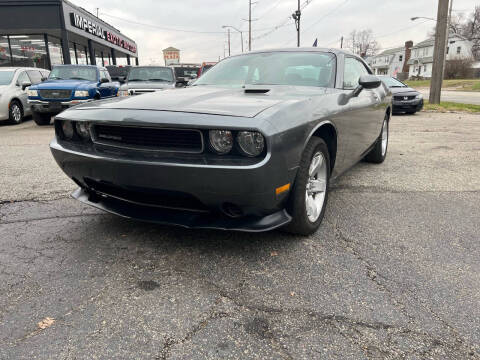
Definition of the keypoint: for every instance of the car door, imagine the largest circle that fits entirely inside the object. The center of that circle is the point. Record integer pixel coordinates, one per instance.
(364, 115)
(21, 93)
(108, 88)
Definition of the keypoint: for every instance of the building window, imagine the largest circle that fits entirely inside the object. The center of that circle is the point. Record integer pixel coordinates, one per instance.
(55, 50)
(424, 68)
(459, 50)
(82, 55)
(400, 58)
(448, 49)
(5, 59)
(28, 50)
(71, 49)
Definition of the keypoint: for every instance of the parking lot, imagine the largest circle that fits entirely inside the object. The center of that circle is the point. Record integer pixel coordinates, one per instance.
(393, 272)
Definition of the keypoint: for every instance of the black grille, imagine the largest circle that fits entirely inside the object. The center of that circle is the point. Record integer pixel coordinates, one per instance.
(403, 98)
(150, 139)
(152, 197)
(55, 94)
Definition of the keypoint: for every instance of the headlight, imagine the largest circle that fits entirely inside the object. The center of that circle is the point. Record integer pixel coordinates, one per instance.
(221, 141)
(83, 129)
(251, 143)
(67, 129)
(32, 92)
(81, 93)
(123, 93)
(419, 96)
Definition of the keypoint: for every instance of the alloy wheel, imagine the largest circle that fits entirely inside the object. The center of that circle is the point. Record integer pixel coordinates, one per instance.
(16, 113)
(384, 137)
(316, 187)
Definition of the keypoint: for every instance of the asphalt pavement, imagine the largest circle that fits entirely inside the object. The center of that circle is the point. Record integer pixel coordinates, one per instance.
(463, 97)
(393, 272)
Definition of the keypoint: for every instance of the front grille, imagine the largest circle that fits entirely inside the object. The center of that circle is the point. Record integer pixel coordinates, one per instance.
(55, 94)
(152, 197)
(149, 139)
(403, 98)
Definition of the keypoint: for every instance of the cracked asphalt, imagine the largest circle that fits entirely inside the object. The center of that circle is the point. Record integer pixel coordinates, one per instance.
(393, 272)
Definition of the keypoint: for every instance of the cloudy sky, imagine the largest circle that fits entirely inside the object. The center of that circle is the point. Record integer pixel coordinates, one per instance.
(195, 27)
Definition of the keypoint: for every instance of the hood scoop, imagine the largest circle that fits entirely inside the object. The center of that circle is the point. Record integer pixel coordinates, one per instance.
(256, 91)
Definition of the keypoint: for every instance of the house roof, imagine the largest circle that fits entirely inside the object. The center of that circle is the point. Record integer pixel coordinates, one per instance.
(391, 51)
(431, 41)
(171, 48)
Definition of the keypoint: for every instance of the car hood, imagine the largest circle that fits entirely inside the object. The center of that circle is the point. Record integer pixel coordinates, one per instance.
(63, 84)
(3, 88)
(146, 85)
(199, 99)
(402, 90)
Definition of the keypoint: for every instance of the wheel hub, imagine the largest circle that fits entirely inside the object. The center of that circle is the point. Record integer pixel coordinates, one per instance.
(316, 187)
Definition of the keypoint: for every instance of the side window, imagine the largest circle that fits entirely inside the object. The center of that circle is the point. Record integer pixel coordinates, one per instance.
(23, 77)
(353, 70)
(104, 74)
(35, 76)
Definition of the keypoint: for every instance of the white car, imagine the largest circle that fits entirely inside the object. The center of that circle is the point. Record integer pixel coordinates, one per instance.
(13, 95)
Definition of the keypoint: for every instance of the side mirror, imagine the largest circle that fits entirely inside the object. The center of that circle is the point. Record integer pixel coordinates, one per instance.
(26, 84)
(44, 78)
(104, 80)
(365, 82)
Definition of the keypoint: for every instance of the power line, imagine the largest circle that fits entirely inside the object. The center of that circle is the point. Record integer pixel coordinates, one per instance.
(327, 14)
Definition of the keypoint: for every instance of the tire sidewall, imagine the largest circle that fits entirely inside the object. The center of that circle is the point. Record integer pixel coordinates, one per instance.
(10, 112)
(297, 207)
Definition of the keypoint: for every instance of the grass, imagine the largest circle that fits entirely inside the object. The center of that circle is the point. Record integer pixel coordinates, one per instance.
(455, 84)
(445, 106)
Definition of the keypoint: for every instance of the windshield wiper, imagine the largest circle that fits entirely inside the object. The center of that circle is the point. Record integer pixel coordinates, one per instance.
(135, 80)
(164, 80)
(77, 78)
(56, 78)
(397, 86)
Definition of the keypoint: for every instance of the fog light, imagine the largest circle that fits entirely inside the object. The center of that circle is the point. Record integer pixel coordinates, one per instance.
(83, 129)
(221, 141)
(67, 129)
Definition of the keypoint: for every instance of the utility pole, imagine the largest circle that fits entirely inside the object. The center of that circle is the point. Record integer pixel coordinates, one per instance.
(341, 43)
(228, 31)
(439, 52)
(249, 25)
(97, 11)
(296, 16)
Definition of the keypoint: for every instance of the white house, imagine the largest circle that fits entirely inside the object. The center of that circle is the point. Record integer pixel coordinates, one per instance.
(421, 60)
(391, 62)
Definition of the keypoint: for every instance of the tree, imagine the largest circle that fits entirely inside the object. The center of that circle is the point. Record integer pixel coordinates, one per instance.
(362, 43)
(471, 30)
(458, 69)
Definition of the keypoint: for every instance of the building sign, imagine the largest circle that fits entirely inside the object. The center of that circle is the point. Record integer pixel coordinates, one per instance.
(171, 56)
(95, 29)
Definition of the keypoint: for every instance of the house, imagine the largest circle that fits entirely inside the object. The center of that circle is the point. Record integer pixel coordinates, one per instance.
(421, 60)
(391, 62)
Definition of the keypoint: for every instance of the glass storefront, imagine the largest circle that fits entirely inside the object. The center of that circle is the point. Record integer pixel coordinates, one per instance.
(71, 49)
(5, 59)
(28, 50)
(55, 49)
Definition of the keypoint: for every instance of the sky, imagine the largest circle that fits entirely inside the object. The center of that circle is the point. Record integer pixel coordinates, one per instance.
(195, 26)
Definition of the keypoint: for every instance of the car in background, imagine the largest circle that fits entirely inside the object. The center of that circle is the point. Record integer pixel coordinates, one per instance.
(146, 79)
(205, 67)
(67, 86)
(251, 145)
(405, 99)
(118, 72)
(13, 95)
(185, 72)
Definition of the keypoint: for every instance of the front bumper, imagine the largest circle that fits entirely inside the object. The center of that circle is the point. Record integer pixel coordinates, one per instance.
(407, 106)
(200, 193)
(54, 107)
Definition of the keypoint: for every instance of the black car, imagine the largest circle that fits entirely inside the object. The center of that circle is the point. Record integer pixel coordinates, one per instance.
(252, 145)
(118, 72)
(405, 99)
(185, 72)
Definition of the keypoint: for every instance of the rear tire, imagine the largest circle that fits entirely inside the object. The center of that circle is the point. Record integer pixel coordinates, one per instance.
(308, 199)
(41, 119)
(15, 112)
(379, 152)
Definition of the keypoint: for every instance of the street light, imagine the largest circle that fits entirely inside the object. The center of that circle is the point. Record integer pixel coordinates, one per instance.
(234, 28)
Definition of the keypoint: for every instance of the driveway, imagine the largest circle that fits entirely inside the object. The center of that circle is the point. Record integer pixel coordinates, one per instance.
(393, 272)
(464, 97)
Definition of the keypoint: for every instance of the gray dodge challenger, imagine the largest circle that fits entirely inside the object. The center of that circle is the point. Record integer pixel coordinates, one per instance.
(252, 145)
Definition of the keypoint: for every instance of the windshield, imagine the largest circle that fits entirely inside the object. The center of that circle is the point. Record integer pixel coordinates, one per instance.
(74, 73)
(151, 74)
(6, 77)
(186, 71)
(273, 68)
(392, 82)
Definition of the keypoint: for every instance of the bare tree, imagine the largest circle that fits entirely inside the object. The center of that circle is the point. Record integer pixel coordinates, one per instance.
(471, 30)
(458, 69)
(362, 43)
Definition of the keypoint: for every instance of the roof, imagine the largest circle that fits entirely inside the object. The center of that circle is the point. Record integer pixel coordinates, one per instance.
(431, 41)
(14, 68)
(303, 49)
(170, 48)
(391, 51)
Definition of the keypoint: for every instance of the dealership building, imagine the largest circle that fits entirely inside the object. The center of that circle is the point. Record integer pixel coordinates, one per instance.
(44, 33)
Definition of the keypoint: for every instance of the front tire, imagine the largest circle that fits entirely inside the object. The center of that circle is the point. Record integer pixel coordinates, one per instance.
(309, 195)
(41, 119)
(15, 112)
(379, 152)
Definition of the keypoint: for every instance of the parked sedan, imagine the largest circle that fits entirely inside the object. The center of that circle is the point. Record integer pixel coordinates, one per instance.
(146, 79)
(252, 145)
(405, 99)
(13, 96)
